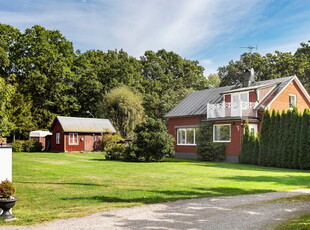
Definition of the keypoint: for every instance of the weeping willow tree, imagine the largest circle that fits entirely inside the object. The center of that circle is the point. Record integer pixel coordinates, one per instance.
(124, 108)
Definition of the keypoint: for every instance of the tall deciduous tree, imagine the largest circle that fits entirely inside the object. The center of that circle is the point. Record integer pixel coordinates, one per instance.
(43, 61)
(124, 108)
(166, 71)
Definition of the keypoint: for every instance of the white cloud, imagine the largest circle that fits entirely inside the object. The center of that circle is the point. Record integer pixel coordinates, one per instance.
(183, 26)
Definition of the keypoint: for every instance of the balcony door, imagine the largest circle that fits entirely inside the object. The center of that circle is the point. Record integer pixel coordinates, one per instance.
(237, 103)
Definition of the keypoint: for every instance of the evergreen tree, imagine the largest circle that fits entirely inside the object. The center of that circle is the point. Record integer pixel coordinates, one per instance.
(255, 151)
(265, 140)
(271, 157)
(304, 141)
(286, 140)
(245, 151)
(282, 139)
(296, 128)
(278, 138)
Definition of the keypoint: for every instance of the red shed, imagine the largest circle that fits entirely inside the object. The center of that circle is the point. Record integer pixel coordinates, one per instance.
(77, 134)
(41, 136)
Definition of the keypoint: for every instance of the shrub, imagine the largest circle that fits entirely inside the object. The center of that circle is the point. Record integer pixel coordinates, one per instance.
(110, 139)
(207, 150)
(27, 146)
(7, 189)
(152, 142)
(18, 146)
(116, 152)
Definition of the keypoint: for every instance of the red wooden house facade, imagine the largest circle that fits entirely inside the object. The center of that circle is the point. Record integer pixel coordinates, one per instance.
(229, 108)
(76, 134)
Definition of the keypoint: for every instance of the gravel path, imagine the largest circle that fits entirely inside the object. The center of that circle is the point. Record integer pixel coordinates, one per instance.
(230, 212)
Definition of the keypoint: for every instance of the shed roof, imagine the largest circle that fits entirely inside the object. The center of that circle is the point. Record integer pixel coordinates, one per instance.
(196, 102)
(85, 125)
(39, 133)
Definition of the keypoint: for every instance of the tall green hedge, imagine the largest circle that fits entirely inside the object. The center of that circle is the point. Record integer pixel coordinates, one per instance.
(284, 141)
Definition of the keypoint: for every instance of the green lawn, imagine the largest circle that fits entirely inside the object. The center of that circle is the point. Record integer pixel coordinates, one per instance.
(62, 185)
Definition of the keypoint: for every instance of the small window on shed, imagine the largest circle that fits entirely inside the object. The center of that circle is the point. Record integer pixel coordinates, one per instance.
(73, 139)
(292, 101)
(57, 138)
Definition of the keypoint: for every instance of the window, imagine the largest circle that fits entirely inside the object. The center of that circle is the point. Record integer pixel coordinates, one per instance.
(73, 139)
(221, 133)
(186, 136)
(292, 101)
(58, 138)
(253, 129)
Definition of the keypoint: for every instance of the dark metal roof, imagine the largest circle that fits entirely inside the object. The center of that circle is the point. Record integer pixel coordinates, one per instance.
(196, 102)
(85, 125)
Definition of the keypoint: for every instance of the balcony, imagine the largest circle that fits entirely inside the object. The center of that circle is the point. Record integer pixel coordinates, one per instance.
(229, 110)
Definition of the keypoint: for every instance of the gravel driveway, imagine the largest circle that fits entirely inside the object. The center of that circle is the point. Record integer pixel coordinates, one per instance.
(230, 212)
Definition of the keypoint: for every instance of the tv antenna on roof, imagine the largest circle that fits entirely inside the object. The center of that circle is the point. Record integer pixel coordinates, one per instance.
(250, 48)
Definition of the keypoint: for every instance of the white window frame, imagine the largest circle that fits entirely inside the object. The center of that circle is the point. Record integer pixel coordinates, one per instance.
(214, 133)
(253, 126)
(72, 138)
(186, 128)
(289, 99)
(58, 138)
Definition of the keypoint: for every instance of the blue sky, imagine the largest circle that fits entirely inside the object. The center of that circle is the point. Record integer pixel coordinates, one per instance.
(210, 31)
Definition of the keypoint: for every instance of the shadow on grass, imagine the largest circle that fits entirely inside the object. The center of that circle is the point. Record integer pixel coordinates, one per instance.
(239, 166)
(168, 195)
(58, 183)
(284, 180)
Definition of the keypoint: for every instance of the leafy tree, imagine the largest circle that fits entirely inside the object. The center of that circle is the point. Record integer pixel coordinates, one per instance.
(124, 107)
(42, 64)
(165, 72)
(8, 37)
(269, 66)
(6, 93)
(152, 142)
(214, 80)
(20, 116)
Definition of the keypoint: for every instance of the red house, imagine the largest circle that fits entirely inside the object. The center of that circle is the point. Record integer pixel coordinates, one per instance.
(229, 108)
(77, 134)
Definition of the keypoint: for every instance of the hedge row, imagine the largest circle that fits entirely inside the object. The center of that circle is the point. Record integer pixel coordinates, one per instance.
(26, 146)
(284, 141)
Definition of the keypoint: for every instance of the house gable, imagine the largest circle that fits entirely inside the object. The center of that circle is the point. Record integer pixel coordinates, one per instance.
(281, 100)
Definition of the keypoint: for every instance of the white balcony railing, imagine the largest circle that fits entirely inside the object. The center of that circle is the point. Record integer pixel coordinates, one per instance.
(236, 109)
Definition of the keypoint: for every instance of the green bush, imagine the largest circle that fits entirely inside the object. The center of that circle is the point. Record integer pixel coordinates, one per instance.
(110, 139)
(18, 146)
(152, 142)
(7, 189)
(116, 152)
(27, 146)
(208, 150)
